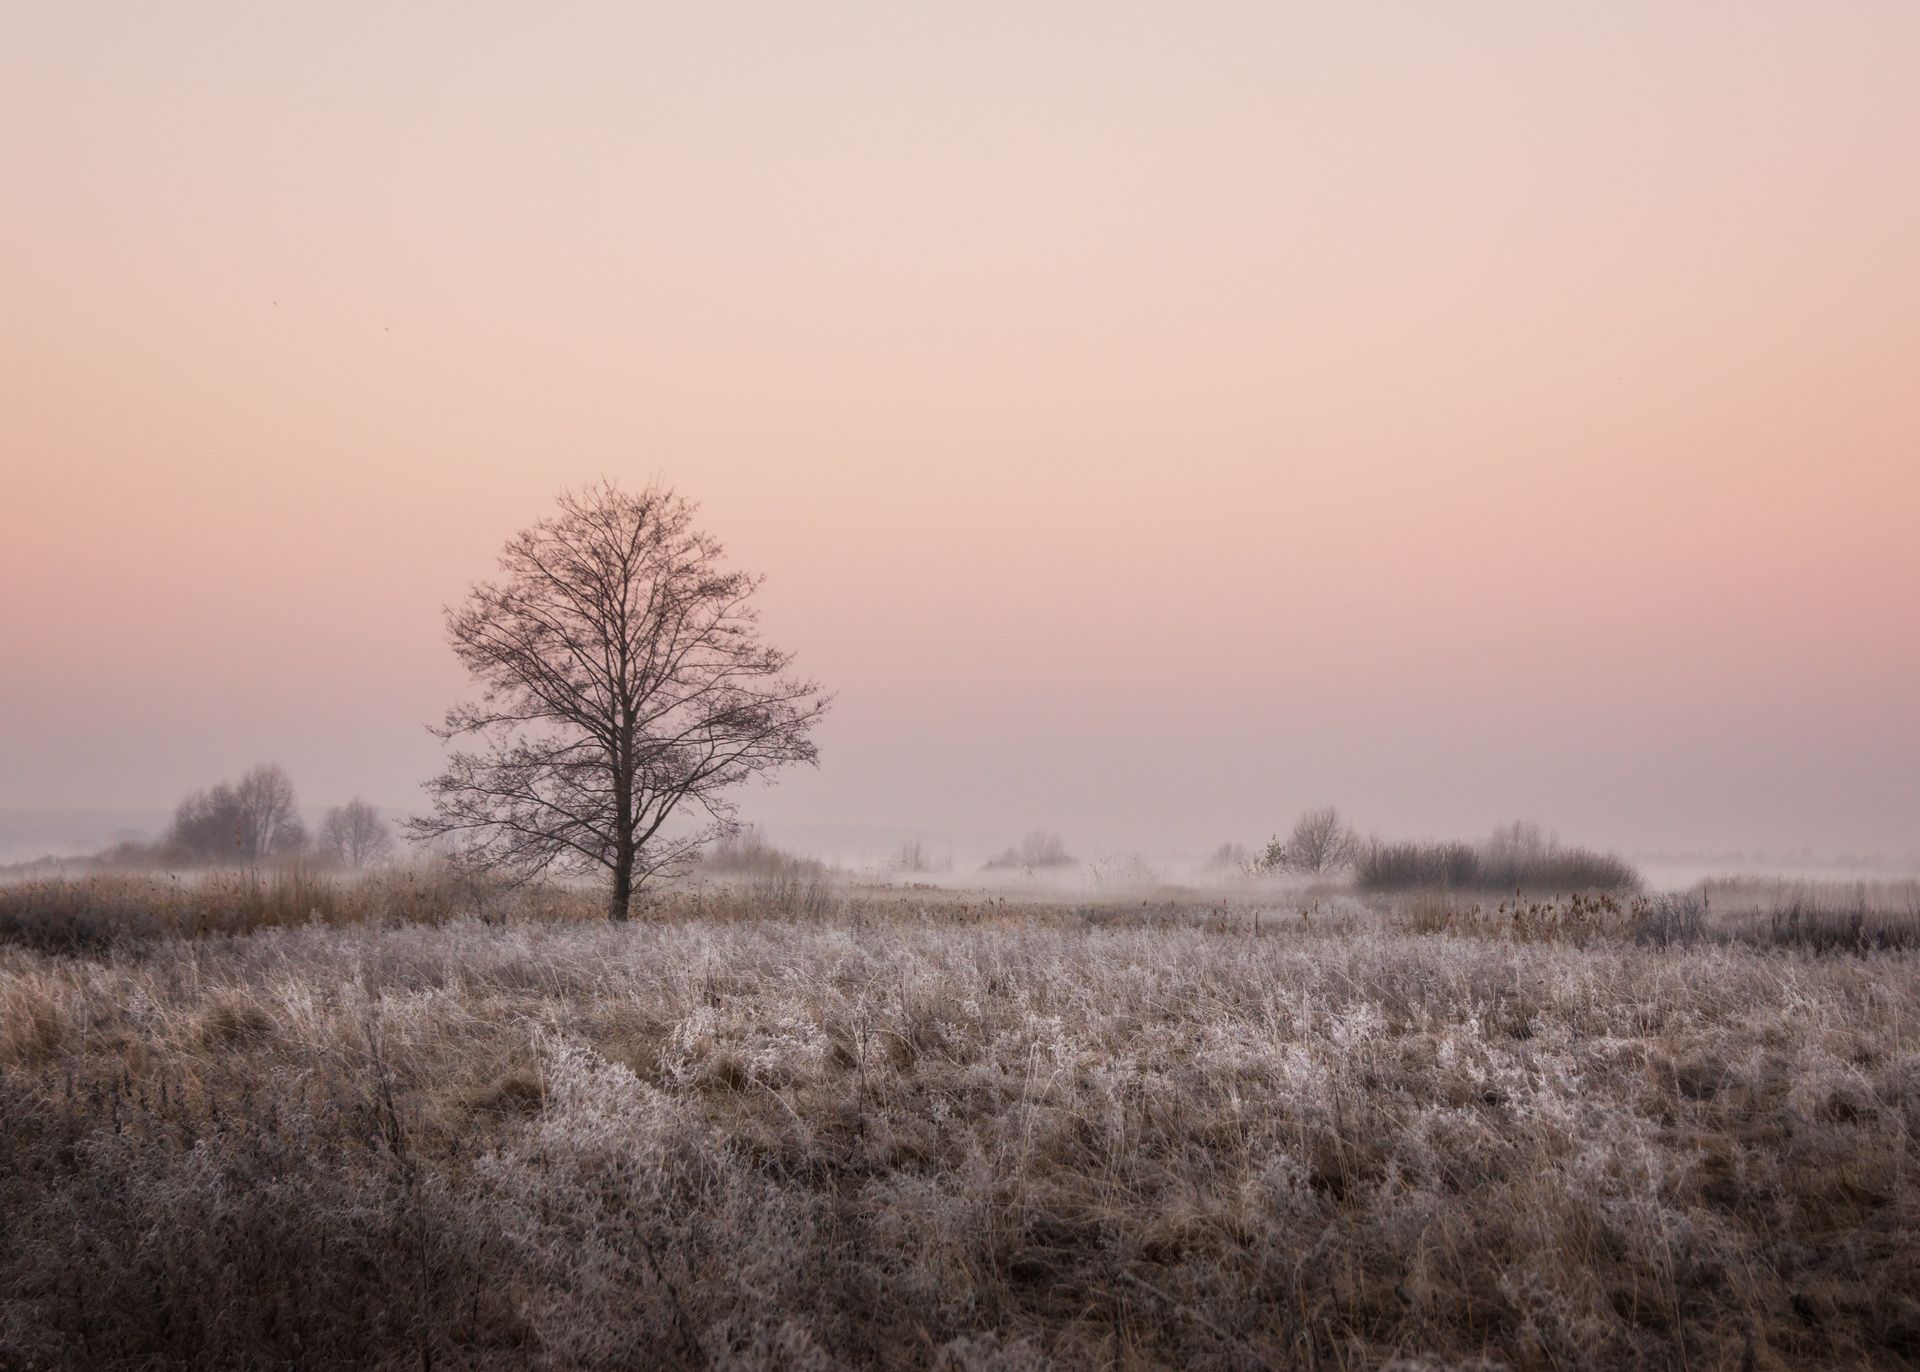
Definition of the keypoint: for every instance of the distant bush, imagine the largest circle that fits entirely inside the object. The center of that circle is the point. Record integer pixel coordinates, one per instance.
(1571, 869)
(1517, 858)
(1405, 866)
(745, 852)
(1038, 850)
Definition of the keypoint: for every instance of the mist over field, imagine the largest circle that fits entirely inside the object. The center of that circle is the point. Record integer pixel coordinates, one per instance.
(971, 687)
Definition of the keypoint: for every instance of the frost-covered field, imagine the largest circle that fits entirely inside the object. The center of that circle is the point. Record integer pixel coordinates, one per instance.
(969, 1136)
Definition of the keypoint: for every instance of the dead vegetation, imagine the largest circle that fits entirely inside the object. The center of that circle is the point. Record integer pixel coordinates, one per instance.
(950, 1131)
(98, 914)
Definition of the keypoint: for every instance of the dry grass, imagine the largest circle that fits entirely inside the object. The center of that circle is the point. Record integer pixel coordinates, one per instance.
(955, 1132)
(125, 911)
(1852, 916)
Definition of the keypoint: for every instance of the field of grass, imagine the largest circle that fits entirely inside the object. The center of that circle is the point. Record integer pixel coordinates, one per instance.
(289, 1122)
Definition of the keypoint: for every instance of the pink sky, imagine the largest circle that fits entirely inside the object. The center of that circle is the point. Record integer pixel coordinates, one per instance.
(1153, 419)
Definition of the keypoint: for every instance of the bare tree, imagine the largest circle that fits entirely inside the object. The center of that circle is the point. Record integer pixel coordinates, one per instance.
(1518, 843)
(910, 857)
(1229, 857)
(623, 681)
(269, 823)
(243, 822)
(1320, 845)
(354, 835)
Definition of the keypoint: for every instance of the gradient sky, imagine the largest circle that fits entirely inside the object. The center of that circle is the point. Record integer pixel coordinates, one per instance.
(1152, 418)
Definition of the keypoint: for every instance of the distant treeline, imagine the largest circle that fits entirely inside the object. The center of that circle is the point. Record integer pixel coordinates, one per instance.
(1518, 857)
(255, 820)
(1406, 866)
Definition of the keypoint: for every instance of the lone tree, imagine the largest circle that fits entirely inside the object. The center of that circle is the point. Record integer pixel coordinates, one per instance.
(1320, 845)
(622, 681)
(354, 835)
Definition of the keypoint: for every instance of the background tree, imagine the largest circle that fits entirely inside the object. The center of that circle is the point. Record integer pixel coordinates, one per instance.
(623, 682)
(354, 835)
(246, 821)
(269, 819)
(1518, 844)
(1229, 857)
(1320, 845)
(206, 825)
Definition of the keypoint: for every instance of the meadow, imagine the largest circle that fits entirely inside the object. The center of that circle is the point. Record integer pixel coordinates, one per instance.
(288, 1120)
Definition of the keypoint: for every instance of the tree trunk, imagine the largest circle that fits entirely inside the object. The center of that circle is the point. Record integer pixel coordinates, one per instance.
(622, 888)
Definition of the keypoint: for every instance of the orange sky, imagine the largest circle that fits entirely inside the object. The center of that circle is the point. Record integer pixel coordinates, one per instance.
(1153, 419)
